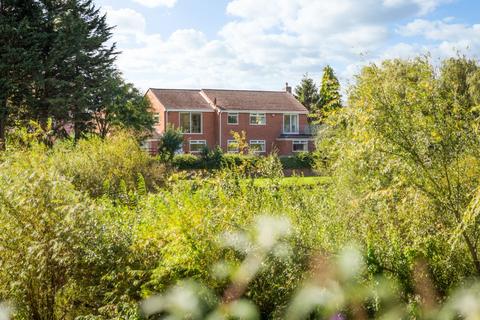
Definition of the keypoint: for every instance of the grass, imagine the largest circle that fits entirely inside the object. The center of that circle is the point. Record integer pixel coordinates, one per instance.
(287, 182)
(293, 181)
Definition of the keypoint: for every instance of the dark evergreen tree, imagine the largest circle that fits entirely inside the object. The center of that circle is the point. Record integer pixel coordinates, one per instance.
(77, 62)
(307, 93)
(55, 59)
(330, 97)
(19, 58)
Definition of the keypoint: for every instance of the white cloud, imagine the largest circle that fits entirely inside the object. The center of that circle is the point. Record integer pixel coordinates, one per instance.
(128, 24)
(440, 30)
(266, 31)
(425, 6)
(446, 38)
(156, 3)
(268, 42)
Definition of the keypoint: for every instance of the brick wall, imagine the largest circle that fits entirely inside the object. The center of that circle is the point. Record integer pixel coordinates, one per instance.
(157, 108)
(214, 135)
(208, 129)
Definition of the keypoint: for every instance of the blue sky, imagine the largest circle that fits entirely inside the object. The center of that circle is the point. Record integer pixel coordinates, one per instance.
(261, 44)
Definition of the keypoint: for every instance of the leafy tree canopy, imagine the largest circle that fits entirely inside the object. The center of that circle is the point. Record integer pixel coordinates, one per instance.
(121, 105)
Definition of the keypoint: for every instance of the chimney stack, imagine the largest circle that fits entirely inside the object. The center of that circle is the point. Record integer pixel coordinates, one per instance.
(288, 88)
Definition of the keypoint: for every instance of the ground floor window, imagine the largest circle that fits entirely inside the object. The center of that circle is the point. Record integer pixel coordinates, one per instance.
(300, 146)
(197, 146)
(257, 146)
(232, 146)
(150, 145)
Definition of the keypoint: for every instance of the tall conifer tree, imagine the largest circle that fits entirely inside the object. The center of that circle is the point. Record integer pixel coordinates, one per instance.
(78, 61)
(307, 93)
(19, 58)
(330, 97)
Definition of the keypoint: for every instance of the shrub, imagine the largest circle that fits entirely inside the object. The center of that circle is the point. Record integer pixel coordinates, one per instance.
(213, 158)
(248, 163)
(241, 164)
(170, 141)
(55, 247)
(269, 167)
(301, 160)
(99, 166)
(187, 162)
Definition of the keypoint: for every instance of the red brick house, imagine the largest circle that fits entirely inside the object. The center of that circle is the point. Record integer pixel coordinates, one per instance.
(272, 120)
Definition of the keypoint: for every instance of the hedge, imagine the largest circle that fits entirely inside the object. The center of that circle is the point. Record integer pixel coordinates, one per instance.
(302, 160)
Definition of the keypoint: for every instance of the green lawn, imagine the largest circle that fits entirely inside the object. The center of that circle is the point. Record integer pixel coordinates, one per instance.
(294, 181)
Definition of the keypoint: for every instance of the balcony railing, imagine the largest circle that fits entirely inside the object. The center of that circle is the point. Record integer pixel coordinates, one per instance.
(310, 129)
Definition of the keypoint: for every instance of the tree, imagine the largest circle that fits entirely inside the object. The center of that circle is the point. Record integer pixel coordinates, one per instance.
(54, 62)
(121, 105)
(170, 141)
(77, 63)
(19, 58)
(407, 165)
(306, 93)
(329, 98)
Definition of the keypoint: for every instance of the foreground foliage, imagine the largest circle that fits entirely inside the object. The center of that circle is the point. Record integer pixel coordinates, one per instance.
(89, 231)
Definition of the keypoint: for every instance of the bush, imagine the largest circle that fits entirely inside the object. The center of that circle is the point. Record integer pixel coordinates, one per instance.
(170, 141)
(187, 162)
(56, 248)
(269, 167)
(99, 166)
(249, 164)
(235, 159)
(301, 160)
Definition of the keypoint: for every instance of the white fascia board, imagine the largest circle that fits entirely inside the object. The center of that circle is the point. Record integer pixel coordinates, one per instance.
(264, 111)
(190, 110)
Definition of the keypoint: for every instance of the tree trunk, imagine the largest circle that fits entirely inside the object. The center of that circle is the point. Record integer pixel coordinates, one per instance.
(473, 253)
(3, 123)
(76, 129)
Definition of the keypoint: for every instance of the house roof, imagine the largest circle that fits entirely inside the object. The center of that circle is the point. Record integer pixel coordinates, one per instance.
(229, 100)
(181, 99)
(245, 100)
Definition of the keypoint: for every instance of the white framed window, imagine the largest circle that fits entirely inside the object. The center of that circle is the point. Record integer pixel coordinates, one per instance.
(191, 122)
(290, 123)
(258, 119)
(156, 117)
(258, 146)
(232, 146)
(197, 146)
(299, 145)
(232, 118)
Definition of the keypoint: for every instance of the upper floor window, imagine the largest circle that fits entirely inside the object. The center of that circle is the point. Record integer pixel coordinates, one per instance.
(191, 122)
(290, 123)
(258, 119)
(232, 118)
